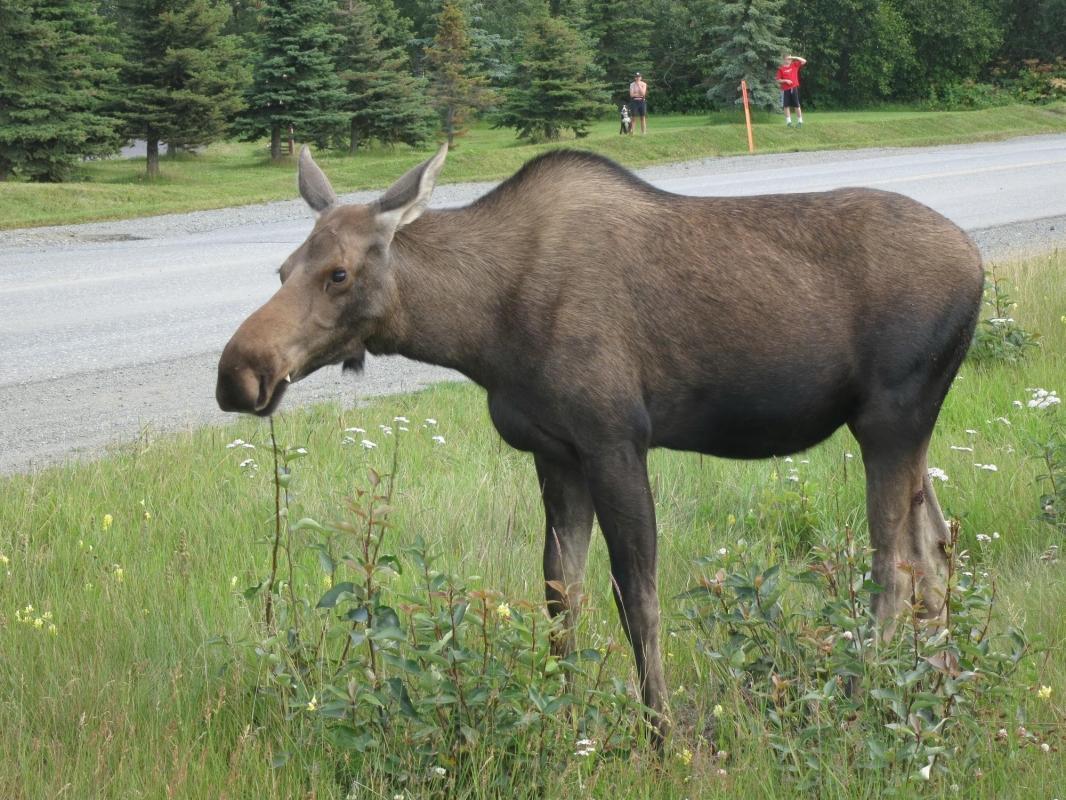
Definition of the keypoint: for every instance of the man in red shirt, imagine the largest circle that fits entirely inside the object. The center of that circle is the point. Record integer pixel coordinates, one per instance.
(788, 79)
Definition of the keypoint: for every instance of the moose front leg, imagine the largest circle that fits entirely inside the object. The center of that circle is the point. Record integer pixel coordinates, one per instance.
(568, 528)
(618, 479)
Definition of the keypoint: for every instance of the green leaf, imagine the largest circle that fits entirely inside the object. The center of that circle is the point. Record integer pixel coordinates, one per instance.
(348, 738)
(330, 598)
(279, 760)
(308, 524)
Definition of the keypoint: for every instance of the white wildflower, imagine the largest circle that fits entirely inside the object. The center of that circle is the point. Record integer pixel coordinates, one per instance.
(404, 420)
(1045, 747)
(440, 772)
(1042, 398)
(430, 421)
(722, 552)
(367, 444)
(355, 430)
(962, 449)
(386, 429)
(347, 440)
(240, 443)
(585, 747)
(987, 467)
(438, 439)
(938, 473)
(983, 537)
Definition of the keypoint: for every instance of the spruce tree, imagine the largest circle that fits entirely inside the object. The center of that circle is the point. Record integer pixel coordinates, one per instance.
(295, 86)
(182, 78)
(621, 30)
(57, 64)
(748, 45)
(557, 87)
(384, 100)
(455, 85)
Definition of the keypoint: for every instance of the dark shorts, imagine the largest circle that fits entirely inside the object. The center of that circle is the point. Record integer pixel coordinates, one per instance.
(790, 98)
(638, 108)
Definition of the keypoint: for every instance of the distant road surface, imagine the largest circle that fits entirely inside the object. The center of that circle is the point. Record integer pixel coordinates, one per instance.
(108, 328)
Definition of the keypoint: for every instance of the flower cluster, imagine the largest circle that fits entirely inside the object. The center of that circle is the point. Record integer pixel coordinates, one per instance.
(39, 622)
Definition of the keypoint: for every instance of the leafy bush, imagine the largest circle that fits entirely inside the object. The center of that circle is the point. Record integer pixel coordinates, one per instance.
(419, 684)
(999, 338)
(1035, 81)
(800, 651)
(965, 96)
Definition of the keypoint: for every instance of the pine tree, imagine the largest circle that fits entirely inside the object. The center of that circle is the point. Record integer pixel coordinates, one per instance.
(558, 86)
(748, 46)
(621, 30)
(456, 87)
(384, 100)
(295, 85)
(182, 78)
(56, 67)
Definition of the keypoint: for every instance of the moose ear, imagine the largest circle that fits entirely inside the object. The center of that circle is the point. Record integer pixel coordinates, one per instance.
(314, 185)
(406, 199)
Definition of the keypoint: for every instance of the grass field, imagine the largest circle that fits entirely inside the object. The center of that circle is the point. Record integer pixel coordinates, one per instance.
(119, 577)
(235, 174)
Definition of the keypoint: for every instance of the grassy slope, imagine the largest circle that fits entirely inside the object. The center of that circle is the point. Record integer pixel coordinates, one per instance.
(126, 700)
(235, 174)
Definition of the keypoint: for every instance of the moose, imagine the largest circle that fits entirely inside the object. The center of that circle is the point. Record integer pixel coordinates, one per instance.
(604, 317)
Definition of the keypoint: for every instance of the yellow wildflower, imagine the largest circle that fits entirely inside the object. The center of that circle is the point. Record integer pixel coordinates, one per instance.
(53, 630)
(503, 611)
(717, 711)
(3, 559)
(1044, 693)
(119, 573)
(731, 520)
(38, 623)
(108, 520)
(312, 704)
(685, 756)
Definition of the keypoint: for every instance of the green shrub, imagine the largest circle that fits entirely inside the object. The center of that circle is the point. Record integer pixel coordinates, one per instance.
(798, 649)
(998, 337)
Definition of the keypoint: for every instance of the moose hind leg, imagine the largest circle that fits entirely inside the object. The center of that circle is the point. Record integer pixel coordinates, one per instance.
(568, 517)
(908, 533)
(618, 478)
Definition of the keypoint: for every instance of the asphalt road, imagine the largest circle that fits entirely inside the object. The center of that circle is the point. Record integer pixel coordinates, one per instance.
(108, 329)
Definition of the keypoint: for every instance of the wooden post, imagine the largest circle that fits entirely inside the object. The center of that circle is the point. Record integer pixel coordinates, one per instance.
(747, 115)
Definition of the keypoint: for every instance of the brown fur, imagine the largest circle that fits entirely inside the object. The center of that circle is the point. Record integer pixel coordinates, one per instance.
(604, 317)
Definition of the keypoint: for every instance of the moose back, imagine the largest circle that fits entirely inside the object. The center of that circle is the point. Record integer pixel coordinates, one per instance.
(604, 317)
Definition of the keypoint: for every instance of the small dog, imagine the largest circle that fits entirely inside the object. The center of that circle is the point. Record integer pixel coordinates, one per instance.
(627, 121)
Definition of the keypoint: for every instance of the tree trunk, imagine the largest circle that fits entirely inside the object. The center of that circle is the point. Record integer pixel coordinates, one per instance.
(275, 142)
(353, 137)
(152, 146)
(449, 124)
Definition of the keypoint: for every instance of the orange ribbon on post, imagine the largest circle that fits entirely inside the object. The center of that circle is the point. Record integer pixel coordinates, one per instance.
(747, 115)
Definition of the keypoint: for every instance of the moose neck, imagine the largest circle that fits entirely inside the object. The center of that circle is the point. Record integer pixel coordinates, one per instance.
(449, 276)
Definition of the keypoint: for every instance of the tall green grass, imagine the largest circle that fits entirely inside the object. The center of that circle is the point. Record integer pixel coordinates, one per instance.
(130, 698)
(228, 174)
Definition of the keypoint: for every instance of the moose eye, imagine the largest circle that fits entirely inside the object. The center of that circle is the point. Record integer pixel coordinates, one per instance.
(339, 275)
